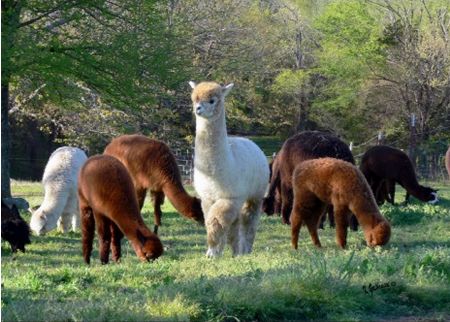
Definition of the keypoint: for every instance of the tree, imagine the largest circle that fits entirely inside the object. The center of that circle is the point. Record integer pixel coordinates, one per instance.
(64, 51)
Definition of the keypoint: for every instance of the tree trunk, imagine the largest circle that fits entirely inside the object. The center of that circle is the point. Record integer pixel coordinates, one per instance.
(6, 142)
(10, 23)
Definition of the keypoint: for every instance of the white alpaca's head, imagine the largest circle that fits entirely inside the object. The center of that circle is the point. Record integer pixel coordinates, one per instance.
(208, 98)
(42, 222)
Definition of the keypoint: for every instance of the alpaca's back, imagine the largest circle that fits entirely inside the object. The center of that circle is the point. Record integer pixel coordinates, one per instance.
(390, 163)
(244, 175)
(334, 182)
(61, 171)
(107, 187)
(309, 145)
(150, 162)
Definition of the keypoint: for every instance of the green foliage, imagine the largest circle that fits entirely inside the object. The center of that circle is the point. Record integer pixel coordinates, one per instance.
(50, 282)
(349, 49)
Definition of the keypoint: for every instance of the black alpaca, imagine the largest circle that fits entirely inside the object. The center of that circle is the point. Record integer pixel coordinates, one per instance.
(15, 230)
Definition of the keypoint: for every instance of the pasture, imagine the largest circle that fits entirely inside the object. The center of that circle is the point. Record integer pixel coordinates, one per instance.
(407, 279)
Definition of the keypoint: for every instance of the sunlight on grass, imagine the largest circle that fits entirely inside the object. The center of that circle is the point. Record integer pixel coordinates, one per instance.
(410, 276)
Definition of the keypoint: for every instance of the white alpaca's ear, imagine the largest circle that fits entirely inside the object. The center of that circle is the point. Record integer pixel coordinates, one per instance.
(226, 89)
(192, 84)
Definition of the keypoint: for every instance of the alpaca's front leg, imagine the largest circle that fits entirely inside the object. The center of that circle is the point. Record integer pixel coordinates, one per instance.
(64, 222)
(220, 217)
(249, 220)
(341, 218)
(75, 221)
(234, 237)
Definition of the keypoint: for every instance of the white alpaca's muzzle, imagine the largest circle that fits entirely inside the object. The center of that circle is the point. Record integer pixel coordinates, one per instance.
(435, 200)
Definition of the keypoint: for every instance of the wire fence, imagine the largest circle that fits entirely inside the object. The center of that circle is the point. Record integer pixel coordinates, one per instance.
(430, 165)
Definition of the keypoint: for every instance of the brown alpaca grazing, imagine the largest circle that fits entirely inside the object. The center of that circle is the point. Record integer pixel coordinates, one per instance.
(295, 150)
(325, 181)
(107, 199)
(383, 162)
(152, 166)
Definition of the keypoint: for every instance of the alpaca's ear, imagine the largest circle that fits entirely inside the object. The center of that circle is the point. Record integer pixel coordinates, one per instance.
(142, 239)
(192, 84)
(226, 89)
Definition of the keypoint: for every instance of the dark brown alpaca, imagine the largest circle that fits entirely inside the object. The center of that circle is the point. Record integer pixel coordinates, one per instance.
(382, 162)
(107, 199)
(14, 229)
(152, 166)
(325, 181)
(298, 148)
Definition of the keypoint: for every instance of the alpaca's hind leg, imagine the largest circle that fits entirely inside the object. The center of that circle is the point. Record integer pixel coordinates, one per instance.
(140, 194)
(391, 191)
(327, 213)
(221, 215)
(104, 237)
(296, 223)
(286, 203)
(249, 219)
(312, 219)
(342, 218)
(116, 237)
(353, 221)
(158, 200)
(87, 231)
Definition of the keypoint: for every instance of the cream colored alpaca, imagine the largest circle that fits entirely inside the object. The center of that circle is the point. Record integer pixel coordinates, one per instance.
(230, 174)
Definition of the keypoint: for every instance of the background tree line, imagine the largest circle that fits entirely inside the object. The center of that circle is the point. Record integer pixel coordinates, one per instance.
(82, 72)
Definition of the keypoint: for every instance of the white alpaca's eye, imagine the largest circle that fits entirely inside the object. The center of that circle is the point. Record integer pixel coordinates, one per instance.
(212, 101)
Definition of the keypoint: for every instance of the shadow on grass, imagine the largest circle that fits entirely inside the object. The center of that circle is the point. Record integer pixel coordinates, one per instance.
(292, 294)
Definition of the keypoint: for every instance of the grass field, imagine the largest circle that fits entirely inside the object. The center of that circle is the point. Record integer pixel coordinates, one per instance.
(407, 279)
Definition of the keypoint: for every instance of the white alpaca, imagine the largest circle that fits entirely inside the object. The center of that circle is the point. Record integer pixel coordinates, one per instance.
(60, 180)
(230, 174)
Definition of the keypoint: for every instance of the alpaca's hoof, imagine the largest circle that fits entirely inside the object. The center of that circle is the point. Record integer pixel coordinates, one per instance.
(212, 252)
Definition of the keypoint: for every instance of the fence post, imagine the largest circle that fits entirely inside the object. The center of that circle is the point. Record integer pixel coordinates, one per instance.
(380, 138)
(412, 140)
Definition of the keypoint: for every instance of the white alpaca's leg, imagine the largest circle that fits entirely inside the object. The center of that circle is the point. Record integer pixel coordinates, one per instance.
(64, 222)
(221, 215)
(234, 237)
(250, 214)
(73, 209)
(75, 221)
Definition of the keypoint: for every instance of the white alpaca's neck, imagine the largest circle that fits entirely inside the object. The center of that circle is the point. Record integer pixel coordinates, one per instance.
(211, 142)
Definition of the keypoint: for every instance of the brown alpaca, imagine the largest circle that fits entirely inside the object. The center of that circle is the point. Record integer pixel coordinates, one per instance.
(447, 162)
(298, 148)
(152, 166)
(107, 199)
(325, 181)
(383, 162)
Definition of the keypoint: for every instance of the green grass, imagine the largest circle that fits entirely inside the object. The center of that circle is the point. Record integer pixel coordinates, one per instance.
(269, 144)
(50, 282)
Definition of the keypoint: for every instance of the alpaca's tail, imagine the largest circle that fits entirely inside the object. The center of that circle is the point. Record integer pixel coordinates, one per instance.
(269, 201)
